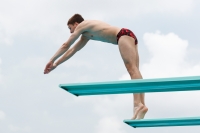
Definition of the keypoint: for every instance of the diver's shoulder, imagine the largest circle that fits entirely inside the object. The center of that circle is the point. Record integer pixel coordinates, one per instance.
(93, 22)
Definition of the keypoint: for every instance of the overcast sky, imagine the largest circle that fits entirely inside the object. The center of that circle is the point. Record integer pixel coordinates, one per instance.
(32, 31)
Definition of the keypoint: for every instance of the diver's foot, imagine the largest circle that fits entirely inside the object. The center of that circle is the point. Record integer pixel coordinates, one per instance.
(137, 110)
(142, 113)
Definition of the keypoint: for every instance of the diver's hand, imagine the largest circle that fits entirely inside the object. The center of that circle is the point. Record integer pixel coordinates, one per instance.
(49, 67)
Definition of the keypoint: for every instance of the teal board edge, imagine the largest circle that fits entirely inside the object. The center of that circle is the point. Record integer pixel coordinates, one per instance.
(134, 86)
(188, 121)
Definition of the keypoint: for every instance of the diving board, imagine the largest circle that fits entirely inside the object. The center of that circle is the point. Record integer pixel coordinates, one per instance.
(190, 121)
(134, 86)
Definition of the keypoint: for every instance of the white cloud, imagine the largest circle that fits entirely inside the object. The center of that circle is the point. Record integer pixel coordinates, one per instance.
(26, 69)
(107, 104)
(2, 115)
(109, 125)
(169, 54)
(113, 103)
(5, 38)
(125, 77)
(78, 63)
(29, 16)
(0, 72)
(19, 129)
(33, 62)
(111, 109)
(168, 6)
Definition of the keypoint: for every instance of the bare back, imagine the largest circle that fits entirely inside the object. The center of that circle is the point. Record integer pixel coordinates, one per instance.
(100, 31)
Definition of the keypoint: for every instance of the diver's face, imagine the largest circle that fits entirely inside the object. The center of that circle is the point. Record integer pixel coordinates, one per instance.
(72, 27)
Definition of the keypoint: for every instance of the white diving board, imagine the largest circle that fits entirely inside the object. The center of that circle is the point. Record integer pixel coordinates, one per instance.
(190, 121)
(134, 86)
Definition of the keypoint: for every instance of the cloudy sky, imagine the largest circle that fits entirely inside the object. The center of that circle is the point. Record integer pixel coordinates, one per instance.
(32, 31)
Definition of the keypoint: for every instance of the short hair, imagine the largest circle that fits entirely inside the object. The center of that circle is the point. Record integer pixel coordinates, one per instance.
(75, 18)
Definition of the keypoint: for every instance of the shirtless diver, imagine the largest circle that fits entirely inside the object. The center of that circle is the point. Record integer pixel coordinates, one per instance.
(100, 31)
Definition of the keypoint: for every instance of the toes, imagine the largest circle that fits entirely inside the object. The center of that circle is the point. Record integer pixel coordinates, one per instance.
(134, 117)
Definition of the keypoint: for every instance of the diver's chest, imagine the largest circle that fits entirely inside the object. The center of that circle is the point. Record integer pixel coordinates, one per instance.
(92, 35)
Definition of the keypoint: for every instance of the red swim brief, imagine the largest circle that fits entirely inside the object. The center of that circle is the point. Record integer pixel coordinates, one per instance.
(127, 32)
